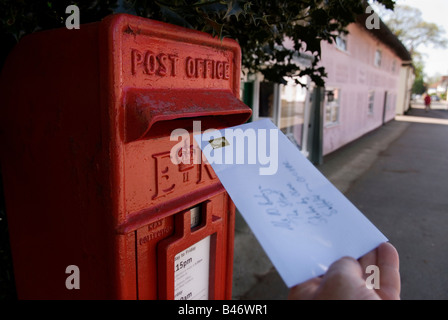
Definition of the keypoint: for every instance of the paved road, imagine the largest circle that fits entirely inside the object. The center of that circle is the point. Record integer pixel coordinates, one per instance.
(398, 177)
(405, 194)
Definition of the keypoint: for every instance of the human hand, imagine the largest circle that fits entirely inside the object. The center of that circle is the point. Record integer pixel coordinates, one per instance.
(345, 279)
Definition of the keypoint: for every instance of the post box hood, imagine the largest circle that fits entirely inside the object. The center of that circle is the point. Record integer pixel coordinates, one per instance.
(154, 113)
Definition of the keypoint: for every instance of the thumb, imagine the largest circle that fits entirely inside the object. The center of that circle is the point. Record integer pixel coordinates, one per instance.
(344, 281)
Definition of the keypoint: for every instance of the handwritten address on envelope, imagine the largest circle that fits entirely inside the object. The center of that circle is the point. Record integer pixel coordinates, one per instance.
(298, 206)
(300, 219)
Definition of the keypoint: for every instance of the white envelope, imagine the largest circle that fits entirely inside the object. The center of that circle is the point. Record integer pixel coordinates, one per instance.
(300, 219)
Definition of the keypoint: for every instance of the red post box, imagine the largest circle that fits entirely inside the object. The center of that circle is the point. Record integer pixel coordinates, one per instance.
(86, 119)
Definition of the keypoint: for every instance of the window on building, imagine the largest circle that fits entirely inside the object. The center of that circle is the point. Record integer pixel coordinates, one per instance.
(332, 106)
(394, 65)
(371, 101)
(341, 42)
(377, 58)
(292, 103)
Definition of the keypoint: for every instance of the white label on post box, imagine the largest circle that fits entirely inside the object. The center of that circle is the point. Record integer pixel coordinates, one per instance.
(191, 272)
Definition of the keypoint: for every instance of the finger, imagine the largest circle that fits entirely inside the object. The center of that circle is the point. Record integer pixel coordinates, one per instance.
(305, 290)
(345, 265)
(368, 259)
(388, 263)
(343, 280)
(388, 256)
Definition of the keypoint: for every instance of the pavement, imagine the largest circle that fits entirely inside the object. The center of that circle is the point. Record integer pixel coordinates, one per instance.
(397, 175)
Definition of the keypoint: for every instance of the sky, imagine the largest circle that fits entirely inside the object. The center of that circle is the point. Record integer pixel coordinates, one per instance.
(435, 11)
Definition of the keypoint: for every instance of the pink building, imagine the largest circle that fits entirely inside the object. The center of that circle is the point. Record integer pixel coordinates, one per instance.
(369, 81)
(363, 85)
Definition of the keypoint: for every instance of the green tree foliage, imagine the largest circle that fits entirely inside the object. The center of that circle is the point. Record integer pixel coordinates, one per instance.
(408, 25)
(260, 26)
(419, 86)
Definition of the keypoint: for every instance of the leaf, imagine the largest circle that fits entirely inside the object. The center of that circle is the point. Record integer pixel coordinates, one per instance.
(173, 17)
(217, 27)
(233, 9)
(320, 17)
(211, 7)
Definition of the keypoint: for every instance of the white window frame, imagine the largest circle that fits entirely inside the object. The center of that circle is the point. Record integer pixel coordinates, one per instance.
(332, 108)
(371, 102)
(341, 42)
(378, 58)
(394, 65)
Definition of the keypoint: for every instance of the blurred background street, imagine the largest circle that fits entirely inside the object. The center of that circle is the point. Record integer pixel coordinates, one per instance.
(397, 176)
